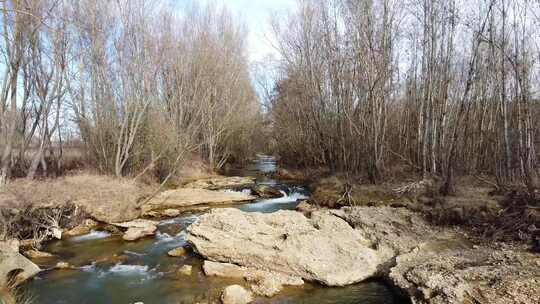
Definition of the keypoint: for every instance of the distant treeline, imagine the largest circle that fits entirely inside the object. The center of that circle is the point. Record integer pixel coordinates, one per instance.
(447, 87)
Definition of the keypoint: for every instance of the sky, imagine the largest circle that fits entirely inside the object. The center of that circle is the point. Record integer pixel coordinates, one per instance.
(256, 14)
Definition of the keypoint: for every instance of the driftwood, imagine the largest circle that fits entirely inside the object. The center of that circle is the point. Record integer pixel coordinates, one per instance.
(415, 189)
(37, 224)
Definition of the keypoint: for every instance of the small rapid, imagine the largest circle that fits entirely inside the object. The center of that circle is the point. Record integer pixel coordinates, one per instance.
(288, 201)
(93, 235)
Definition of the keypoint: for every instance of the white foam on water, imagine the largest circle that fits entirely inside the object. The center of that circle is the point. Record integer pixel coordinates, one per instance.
(291, 198)
(168, 222)
(169, 240)
(179, 220)
(89, 268)
(243, 191)
(93, 235)
(142, 273)
(134, 253)
(121, 269)
(163, 237)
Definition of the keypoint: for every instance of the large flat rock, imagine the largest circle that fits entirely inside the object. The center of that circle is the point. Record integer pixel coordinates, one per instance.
(221, 182)
(323, 248)
(184, 198)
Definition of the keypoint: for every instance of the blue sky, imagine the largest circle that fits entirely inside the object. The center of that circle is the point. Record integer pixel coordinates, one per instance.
(256, 14)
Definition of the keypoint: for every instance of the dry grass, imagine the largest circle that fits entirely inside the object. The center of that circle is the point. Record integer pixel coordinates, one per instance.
(82, 189)
(191, 169)
(336, 192)
(102, 197)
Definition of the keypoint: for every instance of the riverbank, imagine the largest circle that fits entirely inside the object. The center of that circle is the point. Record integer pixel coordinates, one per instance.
(33, 213)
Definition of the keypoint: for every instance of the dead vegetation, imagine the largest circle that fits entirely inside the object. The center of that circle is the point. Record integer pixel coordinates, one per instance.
(512, 215)
(37, 224)
(336, 192)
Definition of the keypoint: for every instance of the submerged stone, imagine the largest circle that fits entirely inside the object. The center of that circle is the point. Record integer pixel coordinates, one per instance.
(236, 294)
(36, 254)
(177, 252)
(186, 270)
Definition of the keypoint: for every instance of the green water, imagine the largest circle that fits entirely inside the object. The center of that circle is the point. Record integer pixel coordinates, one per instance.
(109, 270)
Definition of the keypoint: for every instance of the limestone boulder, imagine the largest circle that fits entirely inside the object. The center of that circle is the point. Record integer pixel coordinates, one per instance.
(324, 248)
(446, 272)
(437, 265)
(138, 229)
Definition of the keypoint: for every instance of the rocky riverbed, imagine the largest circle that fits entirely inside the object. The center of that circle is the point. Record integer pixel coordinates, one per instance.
(346, 246)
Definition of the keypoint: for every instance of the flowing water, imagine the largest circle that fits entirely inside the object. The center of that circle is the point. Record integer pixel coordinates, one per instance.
(109, 270)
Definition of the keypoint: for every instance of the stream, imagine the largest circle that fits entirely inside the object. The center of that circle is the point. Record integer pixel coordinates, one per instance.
(110, 270)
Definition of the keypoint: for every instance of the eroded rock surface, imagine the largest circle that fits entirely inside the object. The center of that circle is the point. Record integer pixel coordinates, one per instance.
(189, 198)
(323, 249)
(446, 274)
(438, 265)
(397, 229)
(263, 283)
(14, 267)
